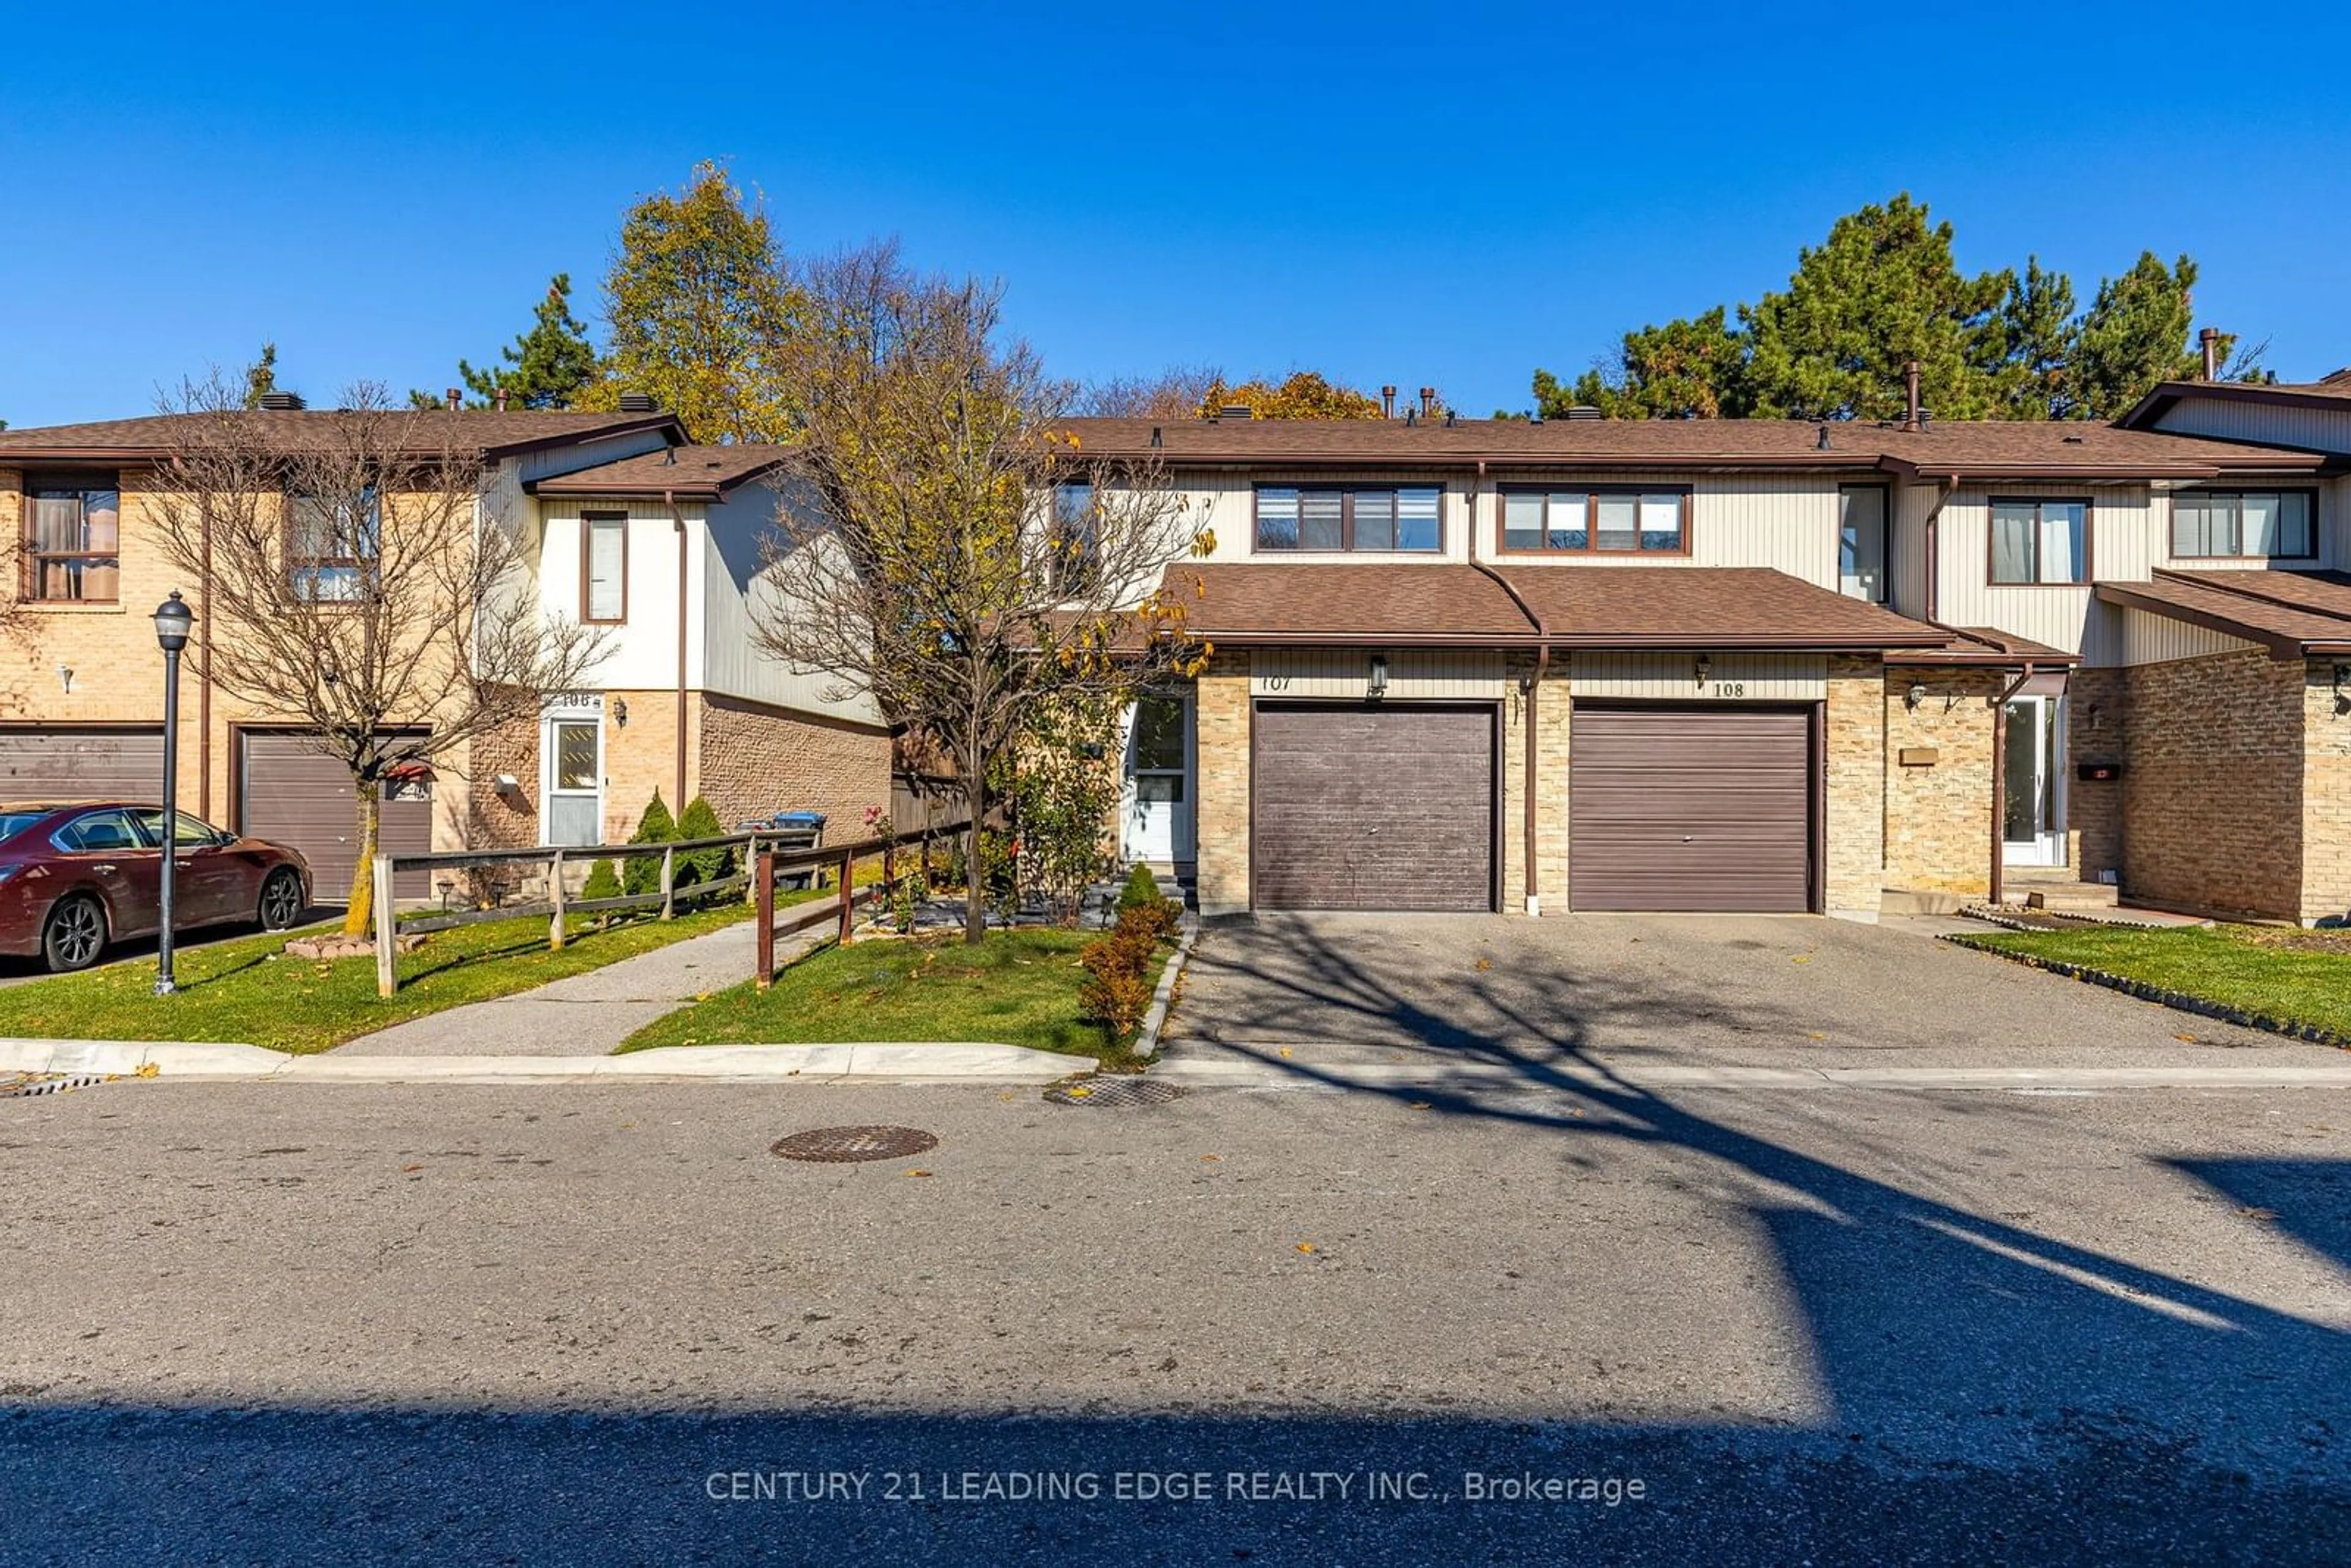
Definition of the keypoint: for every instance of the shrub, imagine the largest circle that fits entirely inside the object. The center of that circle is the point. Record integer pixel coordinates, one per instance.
(655, 827)
(701, 822)
(1120, 970)
(1159, 917)
(603, 881)
(1142, 888)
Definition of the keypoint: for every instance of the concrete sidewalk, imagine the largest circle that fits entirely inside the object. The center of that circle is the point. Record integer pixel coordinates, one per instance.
(588, 1014)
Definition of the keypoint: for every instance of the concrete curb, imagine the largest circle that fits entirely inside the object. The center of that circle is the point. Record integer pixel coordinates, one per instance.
(905, 1061)
(1163, 995)
(2144, 991)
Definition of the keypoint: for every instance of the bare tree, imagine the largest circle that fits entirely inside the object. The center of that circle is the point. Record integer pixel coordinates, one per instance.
(1177, 393)
(356, 585)
(947, 547)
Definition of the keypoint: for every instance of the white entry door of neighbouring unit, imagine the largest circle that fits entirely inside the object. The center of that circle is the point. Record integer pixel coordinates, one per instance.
(573, 780)
(1155, 806)
(2033, 828)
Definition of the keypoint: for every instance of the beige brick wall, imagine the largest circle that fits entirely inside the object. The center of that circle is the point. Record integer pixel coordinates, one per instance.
(496, 821)
(1855, 807)
(2097, 729)
(1222, 815)
(2212, 784)
(1939, 816)
(1554, 710)
(751, 759)
(2325, 797)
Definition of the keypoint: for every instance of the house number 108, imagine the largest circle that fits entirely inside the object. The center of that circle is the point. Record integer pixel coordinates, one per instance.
(1729, 689)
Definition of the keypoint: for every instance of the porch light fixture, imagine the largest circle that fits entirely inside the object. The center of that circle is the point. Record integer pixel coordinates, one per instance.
(2342, 679)
(1914, 697)
(1377, 687)
(621, 712)
(1705, 668)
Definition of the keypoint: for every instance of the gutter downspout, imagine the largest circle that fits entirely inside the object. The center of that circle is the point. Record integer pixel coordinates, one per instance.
(677, 522)
(204, 683)
(1530, 692)
(1999, 774)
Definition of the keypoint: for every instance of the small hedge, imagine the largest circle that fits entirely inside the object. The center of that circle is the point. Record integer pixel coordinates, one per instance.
(1120, 967)
(655, 827)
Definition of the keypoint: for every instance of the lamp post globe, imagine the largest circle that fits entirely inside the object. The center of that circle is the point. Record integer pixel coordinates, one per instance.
(172, 620)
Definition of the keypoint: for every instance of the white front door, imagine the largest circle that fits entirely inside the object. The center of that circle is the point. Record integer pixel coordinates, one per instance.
(1156, 812)
(573, 781)
(2032, 827)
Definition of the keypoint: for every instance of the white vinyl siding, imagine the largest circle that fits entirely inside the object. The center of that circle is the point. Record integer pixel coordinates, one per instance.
(1673, 677)
(1413, 674)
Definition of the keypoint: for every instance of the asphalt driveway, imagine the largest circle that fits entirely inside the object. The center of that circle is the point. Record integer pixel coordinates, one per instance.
(1630, 992)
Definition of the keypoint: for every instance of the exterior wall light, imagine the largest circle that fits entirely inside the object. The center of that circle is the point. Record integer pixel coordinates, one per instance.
(1377, 686)
(1914, 697)
(1705, 668)
(621, 712)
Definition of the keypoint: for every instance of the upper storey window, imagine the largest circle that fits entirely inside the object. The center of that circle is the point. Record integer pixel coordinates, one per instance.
(2227, 522)
(1321, 517)
(70, 538)
(2040, 541)
(1617, 521)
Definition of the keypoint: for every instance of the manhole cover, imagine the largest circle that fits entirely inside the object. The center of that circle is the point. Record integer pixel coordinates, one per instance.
(844, 1145)
(1116, 1091)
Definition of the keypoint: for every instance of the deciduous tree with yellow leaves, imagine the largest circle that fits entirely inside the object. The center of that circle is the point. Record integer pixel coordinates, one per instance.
(944, 543)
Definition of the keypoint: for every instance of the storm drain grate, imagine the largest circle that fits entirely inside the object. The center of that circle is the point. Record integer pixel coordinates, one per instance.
(17, 1087)
(846, 1146)
(1119, 1093)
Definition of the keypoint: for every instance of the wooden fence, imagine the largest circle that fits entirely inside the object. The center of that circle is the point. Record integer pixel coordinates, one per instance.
(762, 860)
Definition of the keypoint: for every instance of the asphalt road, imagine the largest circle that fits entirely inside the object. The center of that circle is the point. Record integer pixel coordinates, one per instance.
(247, 1323)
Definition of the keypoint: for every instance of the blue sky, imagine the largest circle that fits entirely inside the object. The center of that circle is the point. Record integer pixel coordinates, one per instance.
(1432, 194)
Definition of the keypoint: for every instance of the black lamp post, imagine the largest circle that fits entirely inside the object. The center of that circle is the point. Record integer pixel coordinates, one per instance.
(172, 620)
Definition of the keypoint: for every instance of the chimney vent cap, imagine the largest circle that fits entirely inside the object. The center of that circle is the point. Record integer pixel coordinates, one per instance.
(283, 402)
(639, 403)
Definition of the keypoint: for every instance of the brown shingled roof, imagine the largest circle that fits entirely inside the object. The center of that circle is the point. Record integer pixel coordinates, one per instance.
(1706, 607)
(2290, 612)
(1460, 605)
(2330, 391)
(704, 471)
(1972, 449)
(489, 432)
(1239, 601)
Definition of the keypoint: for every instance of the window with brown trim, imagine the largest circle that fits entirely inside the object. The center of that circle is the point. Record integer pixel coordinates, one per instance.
(72, 535)
(1074, 538)
(2224, 524)
(1596, 519)
(604, 568)
(1405, 518)
(331, 546)
(2038, 543)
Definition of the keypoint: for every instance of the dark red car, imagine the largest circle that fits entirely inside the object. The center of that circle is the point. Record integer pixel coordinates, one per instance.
(76, 877)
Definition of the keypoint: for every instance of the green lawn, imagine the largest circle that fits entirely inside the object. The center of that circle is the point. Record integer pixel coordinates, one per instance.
(249, 990)
(2301, 977)
(1018, 987)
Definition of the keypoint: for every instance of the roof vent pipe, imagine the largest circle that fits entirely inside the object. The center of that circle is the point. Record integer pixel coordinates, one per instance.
(1154, 436)
(2211, 340)
(455, 401)
(1448, 419)
(1387, 403)
(1428, 402)
(1911, 420)
(1821, 441)
(498, 400)
(1409, 418)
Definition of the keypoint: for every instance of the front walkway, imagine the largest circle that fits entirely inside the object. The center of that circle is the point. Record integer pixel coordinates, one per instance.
(589, 1014)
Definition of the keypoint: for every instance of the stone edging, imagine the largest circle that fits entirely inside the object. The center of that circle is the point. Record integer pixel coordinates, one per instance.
(2145, 991)
(1163, 996)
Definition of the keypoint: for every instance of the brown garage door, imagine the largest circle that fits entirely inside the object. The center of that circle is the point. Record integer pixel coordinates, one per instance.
(1690, 808)
(84, 765)
(296, 797)
(1367, 806)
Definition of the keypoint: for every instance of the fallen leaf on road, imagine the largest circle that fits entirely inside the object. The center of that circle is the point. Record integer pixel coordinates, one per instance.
(1285, 1050)
(1485, 962)
(1802, 958)
(2251, 1211)
(1079, 1092)
(1816, 1036)
(1211, 1159)
(918, 1172)
(1306, 1247)
(2189, 1038)
(148, 1070)
(1417, 1105)
(410, 1170)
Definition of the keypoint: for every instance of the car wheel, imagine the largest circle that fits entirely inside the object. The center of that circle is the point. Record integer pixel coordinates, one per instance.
(281, 899)
(75, 934)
